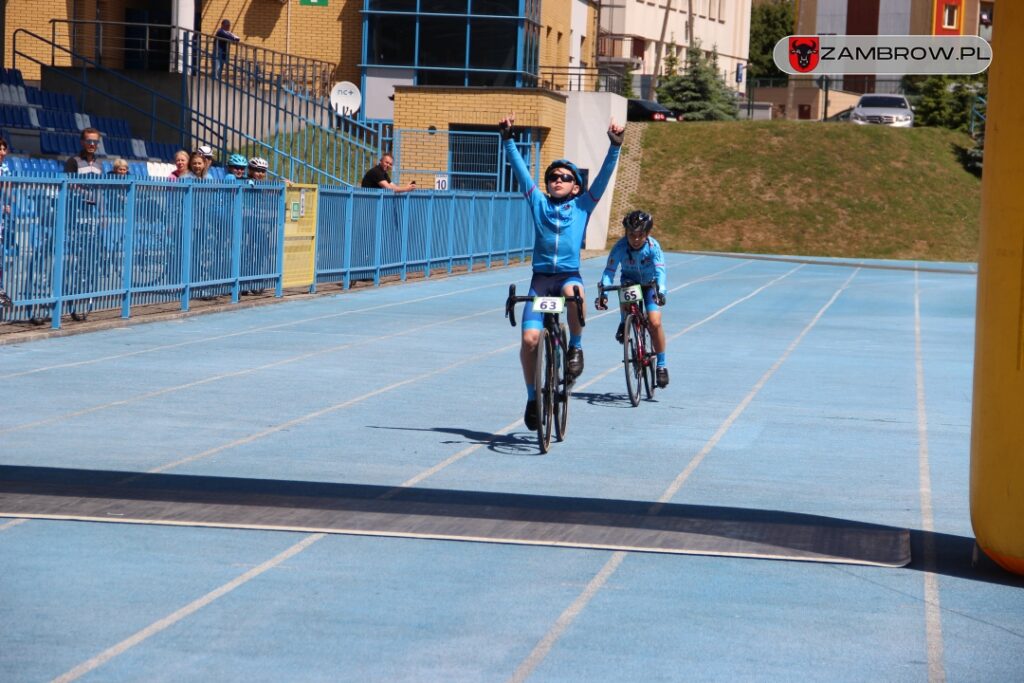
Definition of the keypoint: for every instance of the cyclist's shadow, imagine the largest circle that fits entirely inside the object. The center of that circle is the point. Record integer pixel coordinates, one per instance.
(514, 443)
(606, 400)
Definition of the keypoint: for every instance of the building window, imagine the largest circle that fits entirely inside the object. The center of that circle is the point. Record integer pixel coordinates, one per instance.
(456, 42)
(949, 16)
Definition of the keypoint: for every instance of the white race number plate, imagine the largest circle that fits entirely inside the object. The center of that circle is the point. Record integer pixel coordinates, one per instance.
(548, 304)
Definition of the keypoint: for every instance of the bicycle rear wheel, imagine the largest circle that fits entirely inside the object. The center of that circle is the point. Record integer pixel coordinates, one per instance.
(649, 362)
(563, 384)
(543, 382)
(631, 360)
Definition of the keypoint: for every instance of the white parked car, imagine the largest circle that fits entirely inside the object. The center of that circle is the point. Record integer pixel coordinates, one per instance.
(886, 110)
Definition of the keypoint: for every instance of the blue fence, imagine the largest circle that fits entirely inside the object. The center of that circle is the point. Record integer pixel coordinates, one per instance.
(76, 245)
(369, 234)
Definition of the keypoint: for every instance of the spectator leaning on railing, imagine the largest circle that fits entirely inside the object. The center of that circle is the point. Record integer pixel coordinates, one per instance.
(377, 177)
(224, 38)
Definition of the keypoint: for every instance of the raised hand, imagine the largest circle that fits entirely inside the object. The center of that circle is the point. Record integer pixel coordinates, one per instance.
(616, 133)
(505, 126)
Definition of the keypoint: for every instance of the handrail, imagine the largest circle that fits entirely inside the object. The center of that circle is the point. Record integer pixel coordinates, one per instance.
(321, 71)
(303, 116)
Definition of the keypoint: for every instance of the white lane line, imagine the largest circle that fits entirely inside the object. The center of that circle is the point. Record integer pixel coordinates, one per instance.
(564, 620)
(285, 361)
(124, 645)
(251, 330)
(933, 610)
(345, 404)
(13, 523)
(593, 380)
(542, 648)
(323, 411)
(265, 328)
(168, 621)
(237, 373)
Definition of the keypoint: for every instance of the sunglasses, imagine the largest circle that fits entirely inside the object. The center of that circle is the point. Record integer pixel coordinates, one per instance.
(564, 177)
(91, 142)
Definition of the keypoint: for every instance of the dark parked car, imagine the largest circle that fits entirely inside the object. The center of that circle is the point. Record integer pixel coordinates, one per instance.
(647, 110)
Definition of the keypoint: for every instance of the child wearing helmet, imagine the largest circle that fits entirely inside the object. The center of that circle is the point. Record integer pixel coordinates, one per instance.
(258, 168)
(642, 262)
(560, 221)
(237, 167)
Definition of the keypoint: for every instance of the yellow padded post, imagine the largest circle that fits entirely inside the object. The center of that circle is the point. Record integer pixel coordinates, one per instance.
(997, 435)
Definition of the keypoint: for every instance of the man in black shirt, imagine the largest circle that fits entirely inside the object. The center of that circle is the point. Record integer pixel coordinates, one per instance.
(377, 178)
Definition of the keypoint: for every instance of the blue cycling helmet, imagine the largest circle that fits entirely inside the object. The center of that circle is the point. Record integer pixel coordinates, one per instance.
(565, 163)
(238, 160)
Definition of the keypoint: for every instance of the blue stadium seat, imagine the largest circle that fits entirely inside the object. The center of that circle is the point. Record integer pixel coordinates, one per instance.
(34, 95)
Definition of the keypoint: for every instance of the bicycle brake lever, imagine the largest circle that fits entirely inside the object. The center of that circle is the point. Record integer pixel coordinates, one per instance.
(579, 305)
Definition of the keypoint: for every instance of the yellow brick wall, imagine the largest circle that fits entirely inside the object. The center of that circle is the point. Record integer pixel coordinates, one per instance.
(418, 108)
(333, 33)
(555, 20)
(34, 17)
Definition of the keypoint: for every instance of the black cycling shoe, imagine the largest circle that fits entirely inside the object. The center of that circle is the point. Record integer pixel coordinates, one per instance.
(662, 376)
(530, 416)
(620, 334)
(575, 361)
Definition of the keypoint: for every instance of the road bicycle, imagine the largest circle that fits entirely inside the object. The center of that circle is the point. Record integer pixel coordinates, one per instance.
(552, 379)
(638, 357)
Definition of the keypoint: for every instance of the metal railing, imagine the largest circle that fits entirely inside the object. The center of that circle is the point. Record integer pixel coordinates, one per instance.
(979, 110)
(251, 100)
(580, 79)
(370, 234)
(77, 244)
(74, 245)
(128, 45)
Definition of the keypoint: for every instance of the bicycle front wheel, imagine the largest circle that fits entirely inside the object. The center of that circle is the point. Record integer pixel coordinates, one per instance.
(543, 382)
(631, 359)
(562, 383)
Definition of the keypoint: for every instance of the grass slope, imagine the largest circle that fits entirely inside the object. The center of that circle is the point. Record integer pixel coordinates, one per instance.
(811, 189)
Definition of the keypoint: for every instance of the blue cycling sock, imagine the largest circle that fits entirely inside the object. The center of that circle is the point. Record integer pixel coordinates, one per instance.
(531, 392)
(661, 359)
(575, 341)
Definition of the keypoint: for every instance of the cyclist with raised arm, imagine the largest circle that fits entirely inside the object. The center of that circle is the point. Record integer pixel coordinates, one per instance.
(642, 263)
(560, 223)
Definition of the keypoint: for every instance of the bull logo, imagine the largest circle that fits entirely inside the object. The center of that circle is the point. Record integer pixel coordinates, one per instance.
(803, 53)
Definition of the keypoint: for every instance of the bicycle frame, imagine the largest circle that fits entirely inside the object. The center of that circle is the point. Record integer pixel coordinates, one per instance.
(639, 359)
(552, 381)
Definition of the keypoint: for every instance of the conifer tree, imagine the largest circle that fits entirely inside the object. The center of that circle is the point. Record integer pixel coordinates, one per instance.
(700, 93)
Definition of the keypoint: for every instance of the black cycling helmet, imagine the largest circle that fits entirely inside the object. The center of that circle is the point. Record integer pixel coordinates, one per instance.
(565, 163)
(638, 221)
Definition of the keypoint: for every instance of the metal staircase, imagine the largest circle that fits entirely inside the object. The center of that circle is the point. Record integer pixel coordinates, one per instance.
(182, 87)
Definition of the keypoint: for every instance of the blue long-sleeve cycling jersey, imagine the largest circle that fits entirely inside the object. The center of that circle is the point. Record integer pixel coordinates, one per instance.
(639, 266)
(560, 227)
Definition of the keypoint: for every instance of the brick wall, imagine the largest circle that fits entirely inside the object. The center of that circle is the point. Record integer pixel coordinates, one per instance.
(333, 33)
(418, 108)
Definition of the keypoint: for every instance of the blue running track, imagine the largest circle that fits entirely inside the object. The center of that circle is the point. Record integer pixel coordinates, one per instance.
(835, 390)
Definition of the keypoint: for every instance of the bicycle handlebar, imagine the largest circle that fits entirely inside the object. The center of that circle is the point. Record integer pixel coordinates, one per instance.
(602, 288)
(512, 300)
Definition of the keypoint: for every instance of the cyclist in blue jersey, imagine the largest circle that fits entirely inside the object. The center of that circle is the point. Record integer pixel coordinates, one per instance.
(560, 224)
(642, 262)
